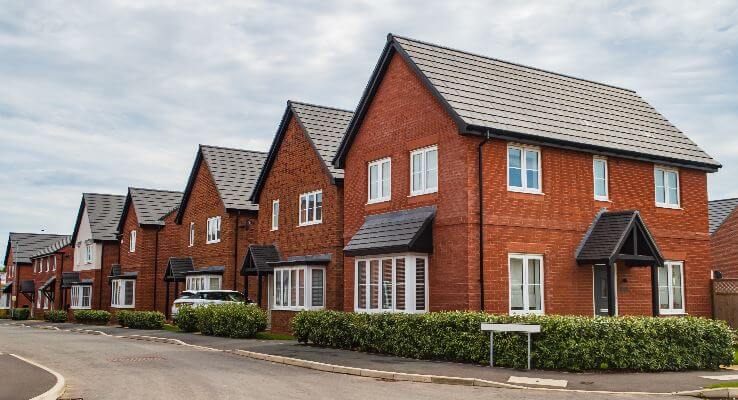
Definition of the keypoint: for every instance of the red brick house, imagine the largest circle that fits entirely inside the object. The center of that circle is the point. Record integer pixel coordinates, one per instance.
(137, 282)
(475, 183)
(96, 249)
(298, 262)
(20, 290)
(218, 221)
(724, 236)
(48, 266)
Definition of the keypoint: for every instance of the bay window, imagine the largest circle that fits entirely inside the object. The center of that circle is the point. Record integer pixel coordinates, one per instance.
(203, 282)
(380, 181)
(298, 288)
(523, 169)
(424, 171)
(123, 293)
(396, 283)
(526, 284)
(671, 287)
(81, 296)
(311, 208)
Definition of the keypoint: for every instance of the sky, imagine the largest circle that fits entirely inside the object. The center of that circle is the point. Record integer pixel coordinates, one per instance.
(100, 96)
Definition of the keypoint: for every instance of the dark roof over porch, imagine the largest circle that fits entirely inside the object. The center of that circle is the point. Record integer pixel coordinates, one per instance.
(258, 259)
(619, 236)
(177, 267)
(394, 232)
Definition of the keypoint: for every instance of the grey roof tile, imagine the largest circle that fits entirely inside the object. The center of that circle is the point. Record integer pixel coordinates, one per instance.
(719, 211)
(153, 205)
(26, 245)
(104, 212)
(398, 231)
(235, 173)
(326, 127)
(607, 235)
(53, 248)
(177, 267)
(258, 258)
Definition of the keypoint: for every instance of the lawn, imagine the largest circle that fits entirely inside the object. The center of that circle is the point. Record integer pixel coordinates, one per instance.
(273, 336)
(722, 385)
(170, 328)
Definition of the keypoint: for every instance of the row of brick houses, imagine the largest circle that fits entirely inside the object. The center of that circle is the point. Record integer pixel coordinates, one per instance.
(461, 182)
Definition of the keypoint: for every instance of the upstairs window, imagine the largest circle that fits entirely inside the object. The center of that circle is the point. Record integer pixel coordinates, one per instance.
(132, 244)
(311, 208)
(192, 234)
(275, 215)
(667, 187)
(523, 169)
(213, 230)
(123, 293)
(671, 288)
(600, 179)
(424, 171)
(47, 261)
(89, 248)
(380, 181)
(54, 269)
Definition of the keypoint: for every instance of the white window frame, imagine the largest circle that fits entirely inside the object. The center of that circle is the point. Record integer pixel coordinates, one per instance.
(4, 301)
(670, 265)
(382, 197)
(307, 290)
(202, 282)
(603, 160)
(213, 230)
(54, 258)
(304, 212)
(667, 200)
(523, 169)
(118, 293)
(410, 283)
(192, 234)
(132, 242)
(275, 215)
(89, 253)
(76, 297)
(526, 299)
(423, 152)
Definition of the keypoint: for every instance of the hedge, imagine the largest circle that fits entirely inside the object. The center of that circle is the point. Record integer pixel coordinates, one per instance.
(99, 317)
(236, 320)
(20, 314)
(565, 343)
(55, 316)
(140, 319)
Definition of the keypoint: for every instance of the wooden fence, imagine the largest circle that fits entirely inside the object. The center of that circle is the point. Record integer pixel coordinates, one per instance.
(725, 301)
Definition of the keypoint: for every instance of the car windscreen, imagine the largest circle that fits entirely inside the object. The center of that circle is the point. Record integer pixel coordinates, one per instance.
(223, 296)
(188, 295)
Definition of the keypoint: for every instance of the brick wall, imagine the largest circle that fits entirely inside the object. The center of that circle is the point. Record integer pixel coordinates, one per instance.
(141, 260)
(404, 116)
(724, 247)
(169, 246)
(298, 169)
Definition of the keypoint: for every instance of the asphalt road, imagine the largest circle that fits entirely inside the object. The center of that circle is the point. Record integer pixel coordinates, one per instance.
(21, 380)
(102, 367)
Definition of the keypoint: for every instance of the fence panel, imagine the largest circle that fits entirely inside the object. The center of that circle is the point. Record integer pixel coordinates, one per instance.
(725, 301)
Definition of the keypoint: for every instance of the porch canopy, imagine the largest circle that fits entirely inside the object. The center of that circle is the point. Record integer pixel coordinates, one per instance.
(116, 272)
(394, 232)
(621, 237)
(72, 278)
(177, 267)
(317, 259)
(258, 262)
(48, 288)
(28, 289)
(216, 270)
(8, 287)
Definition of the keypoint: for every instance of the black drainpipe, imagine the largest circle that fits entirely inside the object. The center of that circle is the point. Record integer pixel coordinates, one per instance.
(480, 169)
(156, 263)
(235, 253)
(102, 268)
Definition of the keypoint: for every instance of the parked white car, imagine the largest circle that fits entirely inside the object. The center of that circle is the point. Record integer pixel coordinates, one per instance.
(199, 298)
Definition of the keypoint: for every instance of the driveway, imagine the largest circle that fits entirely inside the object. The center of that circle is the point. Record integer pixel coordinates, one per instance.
(104, 367)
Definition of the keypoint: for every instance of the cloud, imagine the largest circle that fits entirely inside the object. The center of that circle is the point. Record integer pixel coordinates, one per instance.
(99, 96)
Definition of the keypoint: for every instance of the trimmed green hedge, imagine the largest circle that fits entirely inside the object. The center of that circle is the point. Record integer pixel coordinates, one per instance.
(140, 319)
(236, 320)
(20, 314)
(565, 342)
(98, 317)
(55, 316)
(186, 319)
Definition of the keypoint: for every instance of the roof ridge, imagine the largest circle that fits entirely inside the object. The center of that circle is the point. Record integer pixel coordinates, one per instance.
(390, 36)
(103, 194)
(35, 233)
(318, 106)
(232, 148)
(155, 190)
(726, 199)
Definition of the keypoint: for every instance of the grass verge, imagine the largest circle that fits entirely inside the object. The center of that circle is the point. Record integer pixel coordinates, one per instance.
(273, 336)
(722, 385)
(170, 328)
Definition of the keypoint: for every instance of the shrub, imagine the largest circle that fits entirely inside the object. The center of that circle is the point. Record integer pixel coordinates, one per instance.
(98, 317)
(235, 320)
(186, 319)
(565, 342)
(20, 314)
(140, 319)
(55, 316)
(4, 314)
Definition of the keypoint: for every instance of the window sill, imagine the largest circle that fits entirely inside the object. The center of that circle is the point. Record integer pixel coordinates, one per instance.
(669, 207)
(309, 223)
(416, 194)
(213, 242)
(114, 306)
(526, 191)
(603, 200)
(280, 308)
(515, 312)
(79, 308)
(364, 311)
(672, 313)
(273, 229)
(378, 201)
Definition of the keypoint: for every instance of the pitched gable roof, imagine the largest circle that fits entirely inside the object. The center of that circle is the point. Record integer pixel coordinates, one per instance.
(719, 211)
(516, 102)
(25, 245)
(608, 236)
(54, 247)
(234, 172)
(324, 127)
(103, 211)
(151, 205)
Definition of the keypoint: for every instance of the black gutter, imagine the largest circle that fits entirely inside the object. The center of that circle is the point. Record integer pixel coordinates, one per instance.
(480, 169)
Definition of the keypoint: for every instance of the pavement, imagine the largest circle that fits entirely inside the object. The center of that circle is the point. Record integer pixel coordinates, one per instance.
(670, 382)
(23, 380)
(105, 367)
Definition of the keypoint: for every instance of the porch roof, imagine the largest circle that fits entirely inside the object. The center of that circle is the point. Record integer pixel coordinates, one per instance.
(619, 236)
(258, 259)
(394, 232)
